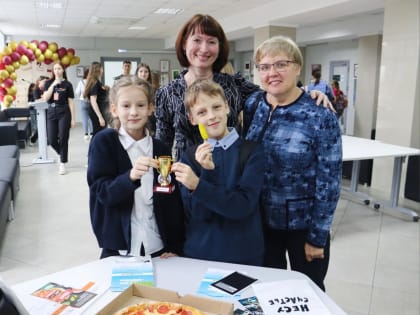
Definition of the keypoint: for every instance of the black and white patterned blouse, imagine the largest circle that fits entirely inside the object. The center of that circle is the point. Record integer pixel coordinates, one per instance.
(172, 121)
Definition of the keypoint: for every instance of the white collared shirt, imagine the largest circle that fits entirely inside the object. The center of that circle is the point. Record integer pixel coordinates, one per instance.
(143, 223)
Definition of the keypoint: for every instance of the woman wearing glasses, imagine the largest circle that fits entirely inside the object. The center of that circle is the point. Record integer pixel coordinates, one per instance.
(201, 47)
(302, 145)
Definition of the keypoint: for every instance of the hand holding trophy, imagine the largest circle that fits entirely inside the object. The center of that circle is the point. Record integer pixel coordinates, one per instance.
(164, 179)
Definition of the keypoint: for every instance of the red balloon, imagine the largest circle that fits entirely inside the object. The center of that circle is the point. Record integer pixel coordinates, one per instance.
(7, 60)
(71, 51)
(15, 56)
(8, 82)
(1, 98)
(3, 91)
(47, 61)
(35, 42)
(62, 52)
(2, 66)
(43, 46)
(21, 49)
(31, 55)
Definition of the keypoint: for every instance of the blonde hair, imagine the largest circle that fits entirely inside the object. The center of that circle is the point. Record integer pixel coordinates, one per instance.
(207, 87)
(276, 45)
(228, 68)
(128, 81)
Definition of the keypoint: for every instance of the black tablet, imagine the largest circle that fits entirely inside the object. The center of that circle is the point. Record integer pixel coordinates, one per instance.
(234, 282)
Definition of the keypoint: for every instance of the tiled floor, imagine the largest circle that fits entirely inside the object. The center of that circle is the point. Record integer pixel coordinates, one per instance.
(374, 267)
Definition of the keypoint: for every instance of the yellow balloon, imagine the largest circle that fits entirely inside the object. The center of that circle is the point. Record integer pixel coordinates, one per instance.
(24, 43)
(10, 68)
(53, 47)
(12, 45)
(13, 76)
(4, 74)
(48, 53)
(65, 60)
(75, 60)
(40, 58)
(7, 50)
(24, 60)
(16, 64)
(12, 90)
(32, 46)
(8, 99)
(38, 52)
(54, 56)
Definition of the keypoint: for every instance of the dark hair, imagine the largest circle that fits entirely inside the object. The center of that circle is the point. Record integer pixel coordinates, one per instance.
(317, 75)
(85, 72)
(206, 25)
(144, 65)
(127, 61)
(64, 71)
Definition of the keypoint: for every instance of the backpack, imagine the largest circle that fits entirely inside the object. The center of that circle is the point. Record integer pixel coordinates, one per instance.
(340, 103)
(245, 150)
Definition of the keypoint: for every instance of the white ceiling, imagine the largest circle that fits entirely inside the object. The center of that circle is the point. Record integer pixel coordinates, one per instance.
(111, 18)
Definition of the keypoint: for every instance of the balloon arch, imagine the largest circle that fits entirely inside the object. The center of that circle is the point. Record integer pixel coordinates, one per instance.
(16, 54)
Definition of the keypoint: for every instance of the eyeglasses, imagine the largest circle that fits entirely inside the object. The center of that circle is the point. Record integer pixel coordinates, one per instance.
(279, 66)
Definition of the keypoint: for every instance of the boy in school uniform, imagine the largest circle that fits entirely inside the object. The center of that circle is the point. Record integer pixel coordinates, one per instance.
(220, 186)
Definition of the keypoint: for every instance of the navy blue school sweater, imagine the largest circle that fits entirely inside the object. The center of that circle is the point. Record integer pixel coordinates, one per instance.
(224, 222)
(112, 196)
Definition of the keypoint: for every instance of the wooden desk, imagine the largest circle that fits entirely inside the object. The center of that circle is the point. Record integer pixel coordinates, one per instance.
(356, 149)
(179, 274)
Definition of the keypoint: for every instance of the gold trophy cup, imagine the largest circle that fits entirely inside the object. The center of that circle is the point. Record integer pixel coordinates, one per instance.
(164, 169)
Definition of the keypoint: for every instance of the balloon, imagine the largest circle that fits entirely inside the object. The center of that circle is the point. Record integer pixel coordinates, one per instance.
(34, 41)
(43, 45)
(7, 50)
(21, 49)
(48, 61)
(75, 60)
(53, 47)
(32, 46)
(24, 43)
(40, 58)
(12, 90)
(7, 60)
(13, 76)
(8, 82)
(65, 60)
(2, 66)
(71, 52)
(62, 52)
(48, 54)
(38, 52)
(7, 100)
(4, 74)
(12, 45)
(15, 56)
(54, 56)
(10, 68)
(3, 91)
(24, 60)
(16, 64)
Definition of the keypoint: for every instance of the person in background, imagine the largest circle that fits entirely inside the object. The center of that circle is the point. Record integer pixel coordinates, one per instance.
(97, 94)
(340, 101)
(39, 89)
(221, 199)
(36, 96)
(143, 72)
(320, 85)
(126, 70)
(127, 217)
(59, 94)
(84, 106)
(303, 157)
(201, 47)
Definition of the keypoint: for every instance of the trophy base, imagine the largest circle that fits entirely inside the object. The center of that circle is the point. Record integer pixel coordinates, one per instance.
(164, 189)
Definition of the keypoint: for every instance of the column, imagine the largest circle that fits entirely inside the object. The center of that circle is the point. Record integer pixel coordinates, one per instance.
(399, 85)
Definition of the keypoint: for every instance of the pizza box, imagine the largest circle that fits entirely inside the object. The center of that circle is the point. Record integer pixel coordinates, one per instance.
(138, 293)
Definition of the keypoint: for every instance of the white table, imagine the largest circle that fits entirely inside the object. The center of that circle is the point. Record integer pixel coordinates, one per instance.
(178, 274)
(41, 111)
(356, 149)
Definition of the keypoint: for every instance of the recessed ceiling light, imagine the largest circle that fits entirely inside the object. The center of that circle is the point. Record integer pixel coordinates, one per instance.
(168, 11)
(50, 4)
(137, 28)
(50, 25)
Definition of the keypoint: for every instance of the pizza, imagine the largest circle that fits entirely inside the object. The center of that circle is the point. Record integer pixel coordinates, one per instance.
(159, 308)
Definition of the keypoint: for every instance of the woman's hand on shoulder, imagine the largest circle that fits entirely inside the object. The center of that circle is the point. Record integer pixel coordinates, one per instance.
(321, 98)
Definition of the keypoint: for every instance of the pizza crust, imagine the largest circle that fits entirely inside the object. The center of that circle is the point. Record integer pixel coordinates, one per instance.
(159, 308)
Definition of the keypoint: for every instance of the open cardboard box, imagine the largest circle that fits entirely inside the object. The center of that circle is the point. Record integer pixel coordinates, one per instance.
(137, 293)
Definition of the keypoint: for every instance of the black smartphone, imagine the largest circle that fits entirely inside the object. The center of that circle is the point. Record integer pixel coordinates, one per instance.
(234, 282)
